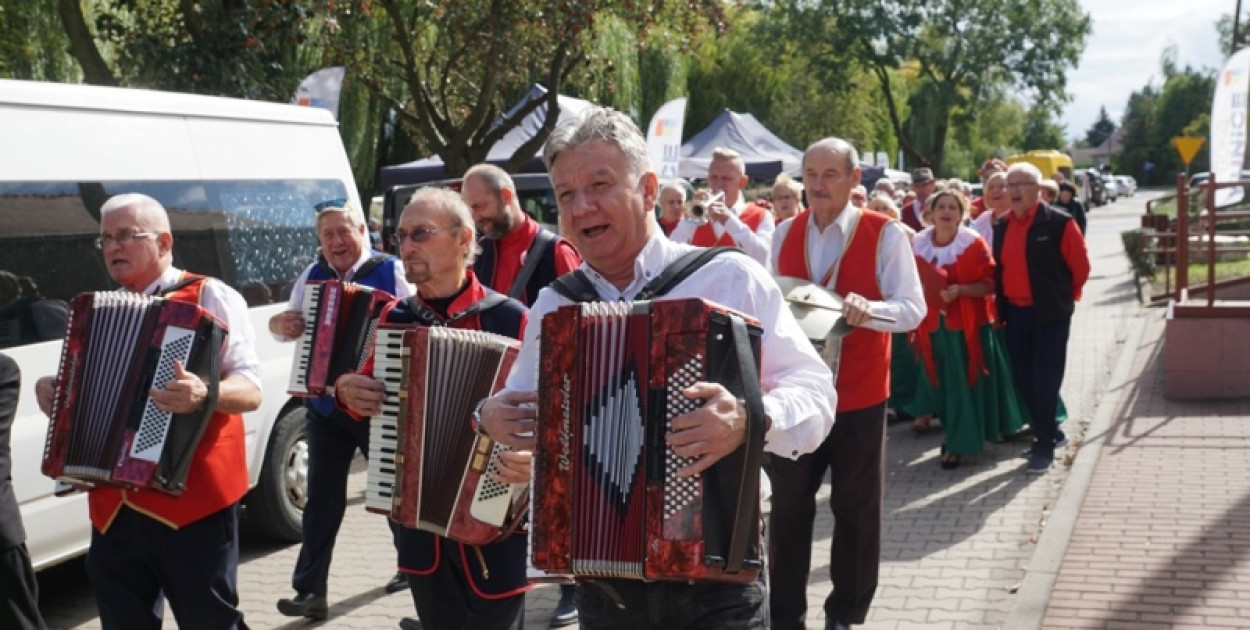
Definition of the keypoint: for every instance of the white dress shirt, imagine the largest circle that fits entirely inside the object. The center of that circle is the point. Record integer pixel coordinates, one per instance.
(402, 288)
(239, 354)
(799, 395)
(755, 243)
(896, 267)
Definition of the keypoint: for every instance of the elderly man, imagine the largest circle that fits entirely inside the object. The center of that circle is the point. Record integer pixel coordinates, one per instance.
(867, 258)
(732, 222)
(512, 238)
(1042, 267)
(150, 546)
(672, 206)
(333, 438)
(923, 184)
(605, 187)
(453, 585)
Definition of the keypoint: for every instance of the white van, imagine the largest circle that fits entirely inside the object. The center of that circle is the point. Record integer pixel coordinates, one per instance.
(240, 180)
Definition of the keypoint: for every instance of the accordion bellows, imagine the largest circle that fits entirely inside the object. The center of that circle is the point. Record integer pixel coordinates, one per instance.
(607, 498)
(105, 429)
(428, 465)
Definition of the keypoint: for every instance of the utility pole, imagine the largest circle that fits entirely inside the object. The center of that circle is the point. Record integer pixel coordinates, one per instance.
(1233, 47)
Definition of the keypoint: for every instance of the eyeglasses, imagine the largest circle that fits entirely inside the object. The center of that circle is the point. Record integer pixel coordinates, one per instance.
(331, 203)
(122, 239)
(1021, 184)
(419, 235)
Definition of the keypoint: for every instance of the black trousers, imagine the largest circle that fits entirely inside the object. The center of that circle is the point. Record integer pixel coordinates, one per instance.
(637, 605)
(1039, 356)
(332, 443)
(855, 453)
(19, 591)
(141, 562)
(446, 601)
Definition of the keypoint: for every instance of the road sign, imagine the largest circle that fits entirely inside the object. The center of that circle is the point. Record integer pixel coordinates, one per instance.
(1188, 147)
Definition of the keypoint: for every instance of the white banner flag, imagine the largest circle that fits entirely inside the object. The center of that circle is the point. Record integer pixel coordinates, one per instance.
(321, 89)
(664, 138)
(1228, 126)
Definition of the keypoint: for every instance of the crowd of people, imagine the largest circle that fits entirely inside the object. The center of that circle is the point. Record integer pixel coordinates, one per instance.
(958, 311)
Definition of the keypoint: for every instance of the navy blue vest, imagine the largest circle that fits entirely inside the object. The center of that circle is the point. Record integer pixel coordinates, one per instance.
(420, 551)
(382, 276)
(1050, 279)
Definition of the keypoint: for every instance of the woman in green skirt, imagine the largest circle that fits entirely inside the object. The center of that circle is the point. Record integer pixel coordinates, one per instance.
(964, 359)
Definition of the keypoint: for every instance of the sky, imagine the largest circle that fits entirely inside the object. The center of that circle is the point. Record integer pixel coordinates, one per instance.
(1123, 49)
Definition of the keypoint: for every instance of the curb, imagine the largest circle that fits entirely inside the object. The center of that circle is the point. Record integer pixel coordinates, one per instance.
(1029, 607)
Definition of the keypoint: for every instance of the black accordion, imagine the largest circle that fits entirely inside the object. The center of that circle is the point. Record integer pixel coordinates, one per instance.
(607, 500)
(105, 429)
(339, 320)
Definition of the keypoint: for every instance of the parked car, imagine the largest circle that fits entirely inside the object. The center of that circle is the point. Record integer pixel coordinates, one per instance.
(1128, 185)
(1112, 188)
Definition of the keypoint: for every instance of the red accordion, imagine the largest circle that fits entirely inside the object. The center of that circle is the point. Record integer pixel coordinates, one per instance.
(105, 430)
(608, 501)
(428, 464)
(339, 320)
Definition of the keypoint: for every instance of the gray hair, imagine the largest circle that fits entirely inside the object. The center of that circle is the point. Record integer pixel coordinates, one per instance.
(733, 157)
(996, 175)
(839, 146)
(149, 210)
(451, 204)
(494, 178)
(1033, 172)
(673, 184)
(600, 123)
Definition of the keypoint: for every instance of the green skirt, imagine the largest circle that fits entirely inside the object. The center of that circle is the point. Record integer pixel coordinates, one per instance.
(910, 390)
(989, 410)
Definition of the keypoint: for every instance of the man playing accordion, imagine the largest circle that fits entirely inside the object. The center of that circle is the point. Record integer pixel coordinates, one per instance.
(454, 585)
(147, 546)
(606, 190)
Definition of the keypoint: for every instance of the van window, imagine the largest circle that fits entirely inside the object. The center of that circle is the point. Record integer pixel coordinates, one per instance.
(255, 235)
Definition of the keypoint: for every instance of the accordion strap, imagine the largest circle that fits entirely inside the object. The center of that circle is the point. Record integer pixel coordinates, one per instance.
(188, 279)
(533, 257)
(740, 537)
(575, 286)
(365, 269)
(427, 317)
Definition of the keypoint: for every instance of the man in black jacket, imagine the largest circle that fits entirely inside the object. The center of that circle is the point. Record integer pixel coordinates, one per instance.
(19, 592)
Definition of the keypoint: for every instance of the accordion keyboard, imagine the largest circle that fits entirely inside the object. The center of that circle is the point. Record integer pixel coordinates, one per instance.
(303, 352)
(384, 429)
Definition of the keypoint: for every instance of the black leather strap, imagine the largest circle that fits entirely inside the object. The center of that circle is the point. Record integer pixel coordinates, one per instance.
(427, 317)
(749, 488)
(679, 270)
(533, 257)
(575, 286)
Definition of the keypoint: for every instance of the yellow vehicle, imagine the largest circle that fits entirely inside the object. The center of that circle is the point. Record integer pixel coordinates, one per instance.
(1048, 161)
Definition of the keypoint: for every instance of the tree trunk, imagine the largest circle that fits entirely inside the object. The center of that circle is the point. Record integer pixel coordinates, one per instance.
(81, 45)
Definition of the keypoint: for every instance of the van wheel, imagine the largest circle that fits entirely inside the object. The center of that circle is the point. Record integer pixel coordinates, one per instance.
(275, 506)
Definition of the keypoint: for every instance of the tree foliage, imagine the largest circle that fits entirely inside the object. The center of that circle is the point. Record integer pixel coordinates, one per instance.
(1101, 129)
(959, 50)
(35, 46)
(450, 69)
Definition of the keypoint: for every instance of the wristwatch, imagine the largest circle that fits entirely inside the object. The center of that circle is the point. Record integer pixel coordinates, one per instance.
(477, 416)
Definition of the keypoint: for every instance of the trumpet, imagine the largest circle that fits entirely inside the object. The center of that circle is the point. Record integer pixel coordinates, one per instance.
(698, 210)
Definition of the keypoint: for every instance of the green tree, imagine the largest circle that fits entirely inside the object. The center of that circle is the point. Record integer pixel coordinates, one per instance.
(1101, 129)
(460, 64)
(1224, 32)
(959, 50)
(1040, 130)
(34, 46)
(1138, 154)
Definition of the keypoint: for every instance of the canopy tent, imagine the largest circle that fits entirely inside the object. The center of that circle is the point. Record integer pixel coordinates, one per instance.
(432, 168)
(764, 153)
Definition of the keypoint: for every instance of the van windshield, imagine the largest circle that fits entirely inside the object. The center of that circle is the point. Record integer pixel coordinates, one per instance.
(255, 235)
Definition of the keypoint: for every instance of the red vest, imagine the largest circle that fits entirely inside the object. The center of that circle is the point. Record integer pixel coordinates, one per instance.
(864, 375)
(705, 236)
(218, 475)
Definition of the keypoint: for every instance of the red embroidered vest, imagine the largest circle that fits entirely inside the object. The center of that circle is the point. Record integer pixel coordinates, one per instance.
(705, 236)
(864, 375)
(218, 475)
